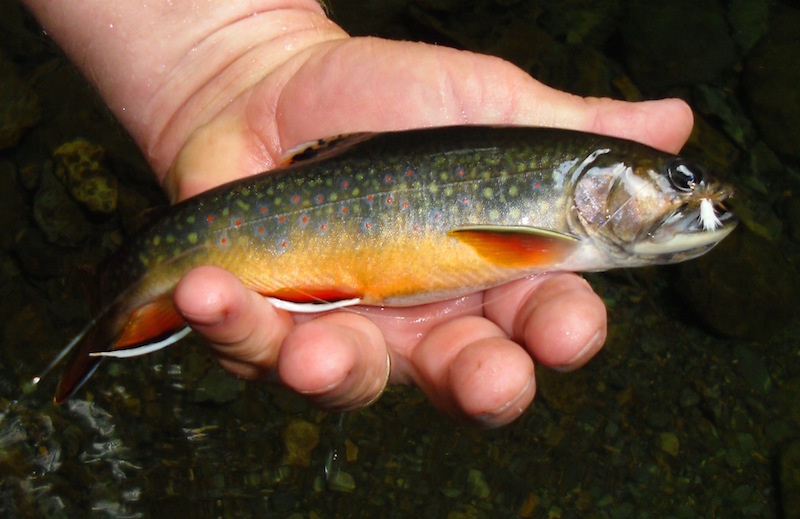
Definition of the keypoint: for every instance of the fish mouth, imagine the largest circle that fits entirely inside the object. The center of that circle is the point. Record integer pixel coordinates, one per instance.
(686, 234)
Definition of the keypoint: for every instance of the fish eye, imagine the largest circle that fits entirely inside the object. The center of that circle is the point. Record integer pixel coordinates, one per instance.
(684, 177)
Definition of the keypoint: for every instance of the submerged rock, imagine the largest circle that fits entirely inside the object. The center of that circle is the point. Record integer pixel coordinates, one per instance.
(677, 43)
(79, 166)
(19, 105)
(745, 287)
(300, 438)
(57, 215)
(12, 204)
(789, 480)
(771, 75)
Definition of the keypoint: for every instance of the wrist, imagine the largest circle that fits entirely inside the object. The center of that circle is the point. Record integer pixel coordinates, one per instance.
(168, 68)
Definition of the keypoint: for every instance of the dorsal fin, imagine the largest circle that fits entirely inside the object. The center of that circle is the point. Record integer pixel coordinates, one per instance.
(322, 148)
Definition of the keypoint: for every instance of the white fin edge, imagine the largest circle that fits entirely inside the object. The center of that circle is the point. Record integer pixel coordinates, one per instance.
(144, 350)
(312, 308)
(63, 353)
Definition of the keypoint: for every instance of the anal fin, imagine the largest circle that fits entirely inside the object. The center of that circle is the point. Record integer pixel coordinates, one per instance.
(149, 322)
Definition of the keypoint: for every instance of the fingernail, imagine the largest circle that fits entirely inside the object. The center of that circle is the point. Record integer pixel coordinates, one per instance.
(578, 359)
(500, 416)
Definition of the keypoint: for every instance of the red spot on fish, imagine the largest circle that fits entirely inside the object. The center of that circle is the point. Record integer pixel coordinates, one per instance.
(460, 172)
(410, 173)
(345, 184)
(387, 178)
(281, 219)
(260, 230)
(323, 227)
(388, 200)
(223, 240)
(295, 199)
(210, 218)
(320, 198)
(263, 209)
(304, 219)
(465, 200)
(415, 228)
(406, 204)
(370, 198)
(345, 210)
(537, 185)
(284, 244)
(237, 223)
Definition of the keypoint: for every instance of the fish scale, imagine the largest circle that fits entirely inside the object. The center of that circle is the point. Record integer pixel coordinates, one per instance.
(402, 218)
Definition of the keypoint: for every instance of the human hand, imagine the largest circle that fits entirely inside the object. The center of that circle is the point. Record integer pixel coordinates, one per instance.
(473, 357)
(218, 116)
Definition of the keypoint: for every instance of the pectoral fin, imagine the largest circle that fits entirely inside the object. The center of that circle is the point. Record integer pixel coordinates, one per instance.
(517, 247)
(313, 299)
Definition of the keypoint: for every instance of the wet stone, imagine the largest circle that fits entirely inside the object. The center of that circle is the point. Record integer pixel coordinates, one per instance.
(12, 203)
(677, 43)
(789, 480)
(750, 366)
(37, 258)
(19, 105)
(477, 484)
(669, 443)
(283, 501)
(771, 76)
(79, 166)
(341, 481)
(761, 301)
(791, 209)
(749, 20)
(300, 438)
(57, 215)
(218, 387)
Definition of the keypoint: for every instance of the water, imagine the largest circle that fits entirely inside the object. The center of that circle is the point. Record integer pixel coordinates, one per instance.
(678, 416)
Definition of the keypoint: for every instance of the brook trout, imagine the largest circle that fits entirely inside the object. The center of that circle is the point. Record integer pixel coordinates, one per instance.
(405, 218)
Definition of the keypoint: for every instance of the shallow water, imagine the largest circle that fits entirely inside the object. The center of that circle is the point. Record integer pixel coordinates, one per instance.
(691, 410)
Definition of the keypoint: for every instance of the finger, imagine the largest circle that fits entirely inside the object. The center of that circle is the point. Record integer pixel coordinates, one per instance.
(244, 330)
(558, 317)
(664, 124)
(339, 360)
(492, 380)
(469, 369)
(454, 87)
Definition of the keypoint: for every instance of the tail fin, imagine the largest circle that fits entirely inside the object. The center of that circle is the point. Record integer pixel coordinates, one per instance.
(151, 326)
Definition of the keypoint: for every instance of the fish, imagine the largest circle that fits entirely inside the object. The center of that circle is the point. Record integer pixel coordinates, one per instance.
(405, 218)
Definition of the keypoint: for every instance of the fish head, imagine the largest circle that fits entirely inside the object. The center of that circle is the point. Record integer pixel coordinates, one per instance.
(650, 208)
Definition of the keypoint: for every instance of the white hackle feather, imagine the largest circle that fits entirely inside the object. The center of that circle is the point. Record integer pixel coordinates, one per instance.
(708, 217)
